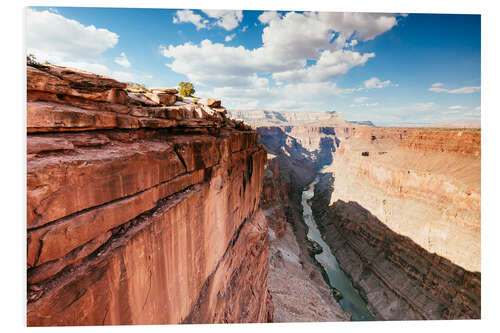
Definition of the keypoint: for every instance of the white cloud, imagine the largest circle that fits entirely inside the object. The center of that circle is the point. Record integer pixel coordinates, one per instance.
(353, 43)
(269, 16)
(188, 16)
(328, 66)
(69, 43)
(286, 47)
(227, 19)
(360, 99)
(289, 41)
(375, 83)
(364, 26)
(437, 84)
(456, 107)
(244, 28)
(259, 94)
(53, 37)
(229, 37)
(477, 108)
(217, 65)
(463, 90)
(122, 60)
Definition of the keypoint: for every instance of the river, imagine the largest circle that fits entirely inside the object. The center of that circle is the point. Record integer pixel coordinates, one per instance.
(351, 301)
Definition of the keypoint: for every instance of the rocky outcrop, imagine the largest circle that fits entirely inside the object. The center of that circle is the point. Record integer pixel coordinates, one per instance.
(140, 213)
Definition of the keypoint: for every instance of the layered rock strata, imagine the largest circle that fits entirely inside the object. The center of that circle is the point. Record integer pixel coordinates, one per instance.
(421, 183)
(401, 214)
(401, 210)
(140, 213)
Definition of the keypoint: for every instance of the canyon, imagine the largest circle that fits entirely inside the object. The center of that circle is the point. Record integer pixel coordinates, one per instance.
(149, 208)
(398, 207)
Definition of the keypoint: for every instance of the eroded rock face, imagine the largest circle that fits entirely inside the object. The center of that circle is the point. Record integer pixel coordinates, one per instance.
(401, 213)
(424, 184)
(400, 279)
(140, 217)
(401, 209)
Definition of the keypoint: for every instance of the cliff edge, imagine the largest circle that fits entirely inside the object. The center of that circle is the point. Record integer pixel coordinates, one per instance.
(140, 209)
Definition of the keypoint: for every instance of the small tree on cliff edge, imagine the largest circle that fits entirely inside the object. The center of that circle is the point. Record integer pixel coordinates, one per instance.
(186, 89)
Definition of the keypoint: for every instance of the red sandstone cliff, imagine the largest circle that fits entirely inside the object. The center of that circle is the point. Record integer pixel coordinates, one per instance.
(139, 213)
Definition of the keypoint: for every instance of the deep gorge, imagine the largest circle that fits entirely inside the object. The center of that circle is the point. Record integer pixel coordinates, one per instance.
(422, 260)
(142, 209)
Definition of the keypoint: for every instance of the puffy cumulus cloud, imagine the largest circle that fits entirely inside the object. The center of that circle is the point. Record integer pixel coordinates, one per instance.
(437, 84)
(364, 26)
(215, 64)
(269, 16)
(55, 38)
(477, 108)
(463, 90)
(376, 83)
(328, 66)
(69, 43)
(229, 38)
(289, 41)
(188, 16)
(227, 19)
(122, 60)
(296, 35)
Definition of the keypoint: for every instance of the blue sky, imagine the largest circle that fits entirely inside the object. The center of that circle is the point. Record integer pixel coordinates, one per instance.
(391, 69)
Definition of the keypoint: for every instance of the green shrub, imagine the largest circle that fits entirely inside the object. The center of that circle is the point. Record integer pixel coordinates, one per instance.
(179, 98)
(186, 89)
(195, 100)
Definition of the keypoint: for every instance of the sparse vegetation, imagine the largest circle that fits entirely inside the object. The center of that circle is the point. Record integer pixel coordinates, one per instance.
(195, 100)
(179, 98)
(33, 62)
(186, 89)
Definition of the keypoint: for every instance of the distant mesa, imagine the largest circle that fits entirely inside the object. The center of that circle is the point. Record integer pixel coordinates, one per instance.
(260, 118)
